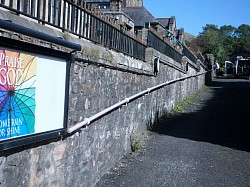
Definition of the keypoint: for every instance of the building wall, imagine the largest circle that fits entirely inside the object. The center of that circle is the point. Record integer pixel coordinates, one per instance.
(132, 3)
(99, 78)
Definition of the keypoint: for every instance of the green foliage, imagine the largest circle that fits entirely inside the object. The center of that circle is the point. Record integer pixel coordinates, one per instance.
(137, 141)
(212, 42)
(243, 37)
(223, 41)
(179, 107)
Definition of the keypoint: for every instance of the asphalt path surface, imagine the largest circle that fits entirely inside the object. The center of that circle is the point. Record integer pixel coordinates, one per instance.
(208, 144)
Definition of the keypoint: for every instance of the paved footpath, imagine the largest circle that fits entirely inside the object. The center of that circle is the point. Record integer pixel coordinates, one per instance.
(208, 144)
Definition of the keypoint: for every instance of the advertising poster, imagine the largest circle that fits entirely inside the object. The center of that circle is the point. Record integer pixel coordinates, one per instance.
(32, 93)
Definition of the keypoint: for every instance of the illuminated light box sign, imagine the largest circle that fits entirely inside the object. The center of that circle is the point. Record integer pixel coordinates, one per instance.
(32, 93)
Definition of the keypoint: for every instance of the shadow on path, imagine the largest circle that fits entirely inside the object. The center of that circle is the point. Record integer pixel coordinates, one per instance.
(222, 118)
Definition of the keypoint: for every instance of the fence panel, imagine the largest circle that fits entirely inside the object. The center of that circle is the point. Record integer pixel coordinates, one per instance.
(163, 47)
(188, 54)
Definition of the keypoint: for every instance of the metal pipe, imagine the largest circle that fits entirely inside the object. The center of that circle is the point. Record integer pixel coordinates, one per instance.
(87, 121)
(36, 34)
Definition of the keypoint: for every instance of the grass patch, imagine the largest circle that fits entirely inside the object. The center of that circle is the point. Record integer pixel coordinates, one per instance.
(138, 141)
(179, 107)
(202, 89)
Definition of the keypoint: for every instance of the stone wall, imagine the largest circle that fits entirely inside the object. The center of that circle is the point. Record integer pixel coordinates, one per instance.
(99, 78)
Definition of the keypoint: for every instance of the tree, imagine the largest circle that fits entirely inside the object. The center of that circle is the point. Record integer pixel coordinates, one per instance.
(211, 41)
(228, 34)
(243, 37)
(223, 41)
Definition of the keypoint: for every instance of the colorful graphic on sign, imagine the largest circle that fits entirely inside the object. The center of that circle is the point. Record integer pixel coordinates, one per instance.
(17, 93)
(32, 94)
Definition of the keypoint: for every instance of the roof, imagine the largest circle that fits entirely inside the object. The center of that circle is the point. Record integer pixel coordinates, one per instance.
(140, 15)
(166, 21)
(234, 55)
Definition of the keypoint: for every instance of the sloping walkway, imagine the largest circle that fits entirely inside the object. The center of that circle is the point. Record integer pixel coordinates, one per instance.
(206, 145)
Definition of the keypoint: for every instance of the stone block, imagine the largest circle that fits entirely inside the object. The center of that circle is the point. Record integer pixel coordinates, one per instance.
(59, 151)
(88, 89)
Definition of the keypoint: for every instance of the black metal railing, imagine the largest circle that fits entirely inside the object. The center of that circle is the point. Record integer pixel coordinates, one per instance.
(84, 21)
(75, 18)
(186, 52)
(158, 44)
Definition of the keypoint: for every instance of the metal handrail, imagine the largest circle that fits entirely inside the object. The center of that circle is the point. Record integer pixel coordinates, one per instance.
(87, 121)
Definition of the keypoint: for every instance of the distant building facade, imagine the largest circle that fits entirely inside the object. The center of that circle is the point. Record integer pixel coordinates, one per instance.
(132, 17)
(244, 54)
(113, 8)
(168, 23)
(132, 3)
(114, 5)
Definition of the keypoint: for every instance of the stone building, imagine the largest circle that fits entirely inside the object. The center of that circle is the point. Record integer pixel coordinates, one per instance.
(114, 5)
(141, 16)
(113, 8)
(168, 23)
(176, 35)
(180, 34)
(132, 17)
(132, 3)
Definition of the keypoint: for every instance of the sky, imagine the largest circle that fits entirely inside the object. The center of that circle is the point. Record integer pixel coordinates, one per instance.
(193, 15)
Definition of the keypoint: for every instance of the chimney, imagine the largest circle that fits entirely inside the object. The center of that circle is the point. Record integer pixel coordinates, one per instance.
(132, 3)
(115, 5)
